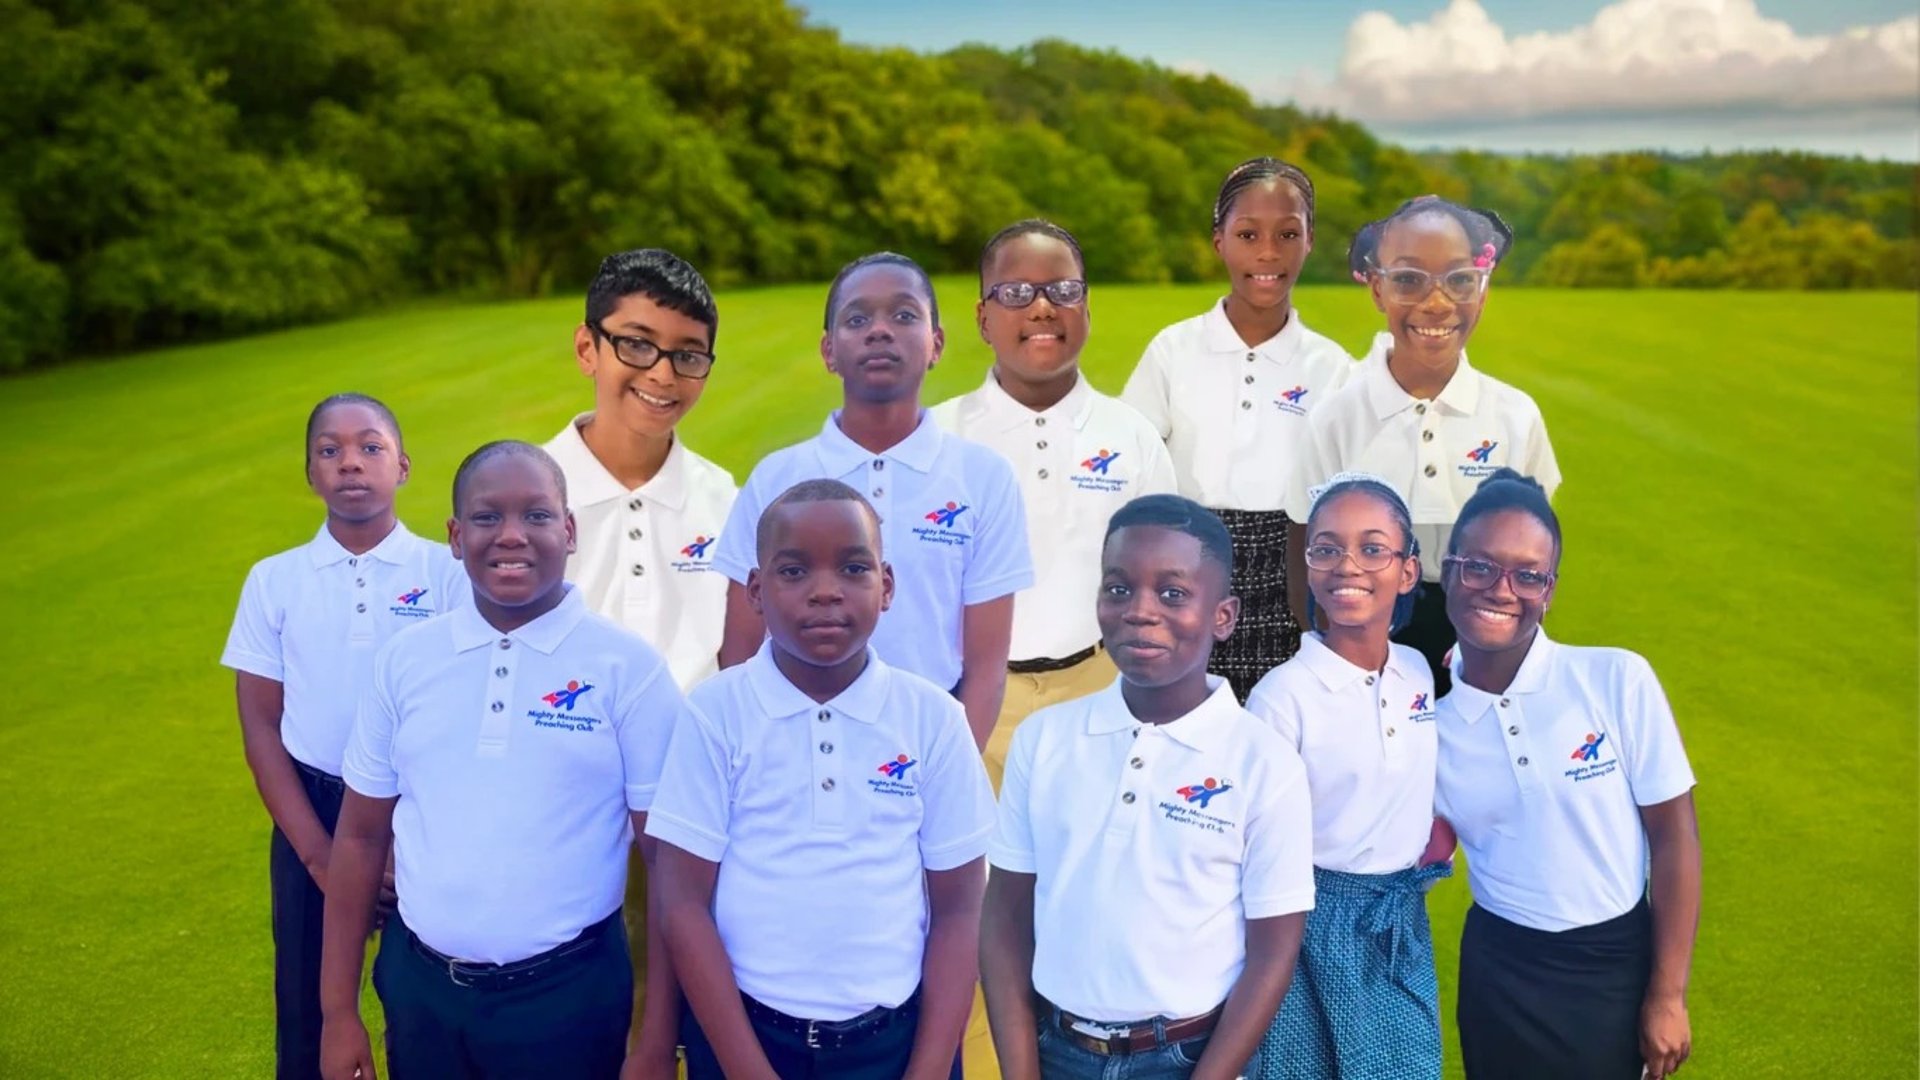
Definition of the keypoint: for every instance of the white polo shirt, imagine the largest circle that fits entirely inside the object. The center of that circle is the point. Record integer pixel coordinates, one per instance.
(1234, 415)
(645, 556)
(1435, 453)
(951, 525)
(313, 617)
(1369, 743)
(1544, 783)
(1077, 462)
(824, 819)
(1153, 845)
(516, 758)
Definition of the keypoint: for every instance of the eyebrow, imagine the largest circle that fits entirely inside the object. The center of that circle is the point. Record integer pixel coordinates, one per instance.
(361, 434)
(904, 297)
(633, 327)
(1331, 535)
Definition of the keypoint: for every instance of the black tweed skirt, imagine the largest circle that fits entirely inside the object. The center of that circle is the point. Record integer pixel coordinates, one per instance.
(1267, 633)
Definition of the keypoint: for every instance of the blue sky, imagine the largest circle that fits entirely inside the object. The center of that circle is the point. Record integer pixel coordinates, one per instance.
(1839, 76)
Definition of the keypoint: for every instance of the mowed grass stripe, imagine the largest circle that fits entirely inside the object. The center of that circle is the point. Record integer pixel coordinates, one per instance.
(1739, 506)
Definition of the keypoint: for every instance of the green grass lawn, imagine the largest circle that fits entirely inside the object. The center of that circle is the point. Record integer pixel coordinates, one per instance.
(1739, 505)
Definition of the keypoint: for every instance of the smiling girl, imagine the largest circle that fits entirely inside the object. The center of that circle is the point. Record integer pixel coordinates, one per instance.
(1417, 413)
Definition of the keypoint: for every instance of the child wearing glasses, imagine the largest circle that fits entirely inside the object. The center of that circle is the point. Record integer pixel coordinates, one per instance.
(647, 509)
(1563, 771)
(1230, 391)
(1364, 1001)
(1417, 413)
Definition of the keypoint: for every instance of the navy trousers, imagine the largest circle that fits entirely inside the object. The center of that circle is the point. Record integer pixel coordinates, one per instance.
(297, 916)
(878, 1051)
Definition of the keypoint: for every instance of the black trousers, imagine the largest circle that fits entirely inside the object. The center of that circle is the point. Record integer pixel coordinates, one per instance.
(879, 1051)
(1431, 632)
(297, 916)
(566, 1021)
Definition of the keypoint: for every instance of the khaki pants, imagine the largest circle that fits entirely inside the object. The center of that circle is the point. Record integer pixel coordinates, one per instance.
(1026, 694)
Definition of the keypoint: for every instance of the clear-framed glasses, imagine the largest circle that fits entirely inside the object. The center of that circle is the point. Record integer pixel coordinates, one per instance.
(1067, 292)
(640, 354)
(1410, 284)
(1370, 558)
(1482, 574)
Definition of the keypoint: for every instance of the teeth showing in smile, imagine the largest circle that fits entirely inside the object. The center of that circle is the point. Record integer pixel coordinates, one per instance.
(1043, 337)
(658, 403)
(1350, 590)
(1492, 616)
(1432, 331)
(513, 566)
(1266, 279)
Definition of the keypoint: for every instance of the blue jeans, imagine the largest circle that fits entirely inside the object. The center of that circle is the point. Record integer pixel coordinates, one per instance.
(1062, 1059)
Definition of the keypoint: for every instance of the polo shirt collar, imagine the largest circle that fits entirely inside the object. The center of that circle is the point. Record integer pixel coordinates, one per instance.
(543, 635)
(864, 700)
(392, 548)
(1202, 729)
(1001, 412)
(1461, 395)
(841, 455)
(1532, 678)
(1334, 671)
(589, 483)
(1221, 337)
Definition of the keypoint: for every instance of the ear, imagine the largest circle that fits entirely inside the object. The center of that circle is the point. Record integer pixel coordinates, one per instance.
(1373, 288)
(453, 537)
(939, 346)
(980, 320)
(573, 534)
(586, 349)
(826, 353)
(1219, 238)
(753, 592)
(1409, 575)
(406, 466)
(1225, 618)
(886, 585)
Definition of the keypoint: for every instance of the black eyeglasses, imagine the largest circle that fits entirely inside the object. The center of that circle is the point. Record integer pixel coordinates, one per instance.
(1482, 574)
(640, 354)
(1370, 558)
(1067, 292)
(1410, 284)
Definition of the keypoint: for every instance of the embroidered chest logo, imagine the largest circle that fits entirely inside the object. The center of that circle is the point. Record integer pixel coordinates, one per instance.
(1419, 711)
(946, 527)
(695, 559)
(1094, 474)
(1292, 401)
(1590, 765)
(1480, 459)
(1195, 806)
(560, 714)
(409, 606)
(893, 777)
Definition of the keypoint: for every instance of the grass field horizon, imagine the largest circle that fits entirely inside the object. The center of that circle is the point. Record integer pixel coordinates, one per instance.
(1739, 507)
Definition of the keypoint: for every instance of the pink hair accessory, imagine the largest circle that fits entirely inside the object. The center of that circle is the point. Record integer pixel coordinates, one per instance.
(1485, 258)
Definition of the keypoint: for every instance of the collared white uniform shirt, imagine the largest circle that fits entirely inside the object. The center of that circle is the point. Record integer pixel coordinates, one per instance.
(823, 819)
(312, 618)
(1232, 415)
(1153, 844)
(1435, 453)
(1544, 783)
(644, 556)
(515, 758)
(951, 525)
(1077, 462)
(1369, 743)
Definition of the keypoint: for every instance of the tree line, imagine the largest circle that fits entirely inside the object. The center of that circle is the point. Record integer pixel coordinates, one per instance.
(172, 169)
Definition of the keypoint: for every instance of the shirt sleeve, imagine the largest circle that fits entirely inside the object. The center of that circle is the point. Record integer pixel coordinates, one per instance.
(1277, 875)
(456, 591)
(644, 724)
(1541, 464)
(1158, 478)
(1311, 466)
(253, 645)
(1146, 390)
(692, 810)
(1656, 760)
(957, 798)
(1011, 847)
(733, 552)
(367, 765)
(1276, 708)
(999, 562)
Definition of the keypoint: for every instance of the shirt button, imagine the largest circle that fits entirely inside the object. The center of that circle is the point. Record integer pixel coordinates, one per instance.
(362, 582)
(826, 748)
(1503, 703)
(878, 464)
(360, 607)
(1250, 358)
(1523, 761)
(1043, 474)
(1426, 436)
(500, 672)
(1249, 380)
(633, 534)
(879, 491)
(1431, 471)
(353, 562)
(1127, 798)
(1136, 763)
(633, 504)
(1246, 404)
(1420, 407)
(506, 643)
(499, 705)
(638, 570)
(827, 784)
(1039, 421)
(1383, 703)
(1369, 680)
(1389, 733)
(1041, 445)
(823, 716)
(1514, 730)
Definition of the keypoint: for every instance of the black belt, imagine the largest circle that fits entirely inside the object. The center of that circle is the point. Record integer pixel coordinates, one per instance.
(481, 976)
(831, 1034)
(1042, 664)
(1126, 1039)
(318, 776)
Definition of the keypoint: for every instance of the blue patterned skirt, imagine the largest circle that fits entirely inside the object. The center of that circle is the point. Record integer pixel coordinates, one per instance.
(1364, 1003)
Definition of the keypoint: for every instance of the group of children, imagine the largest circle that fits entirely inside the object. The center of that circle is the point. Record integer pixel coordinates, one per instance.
(641, 773)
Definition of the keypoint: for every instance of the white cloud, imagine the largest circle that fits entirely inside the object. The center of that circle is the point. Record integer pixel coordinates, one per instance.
(1645, 56)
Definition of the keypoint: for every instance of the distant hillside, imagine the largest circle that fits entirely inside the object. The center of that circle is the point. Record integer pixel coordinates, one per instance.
(172, 169)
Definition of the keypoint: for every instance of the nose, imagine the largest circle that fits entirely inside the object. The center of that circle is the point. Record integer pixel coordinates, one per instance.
(512, 533)
(878, 330)
(824, 589)
(1041, 308)
(1436, 301)
(1141, 611)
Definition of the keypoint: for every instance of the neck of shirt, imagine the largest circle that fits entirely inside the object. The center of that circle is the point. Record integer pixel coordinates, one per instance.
(360, 537)
(822, 684)
(1165, 704)
(508, 619)
(1365, 647)
(1256, 326)
(1494, 672)
(877, 427)
(1422, 384)
(631, 459)
(1043, 396)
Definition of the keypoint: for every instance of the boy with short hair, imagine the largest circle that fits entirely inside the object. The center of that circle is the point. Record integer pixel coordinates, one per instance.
(1157, 802)
(823, 825)
(507, 754)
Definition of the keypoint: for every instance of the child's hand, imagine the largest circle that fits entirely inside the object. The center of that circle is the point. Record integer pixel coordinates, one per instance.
(1441, 843)
(345, 1052)
(649, 1063)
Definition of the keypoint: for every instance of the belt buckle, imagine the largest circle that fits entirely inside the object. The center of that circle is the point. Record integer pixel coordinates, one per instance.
(813, 1034)
(453, 974)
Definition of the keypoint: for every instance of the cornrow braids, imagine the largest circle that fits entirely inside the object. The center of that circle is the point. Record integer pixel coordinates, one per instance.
(880, 258)
(1487, 234)
(1259, 171)
(1507, 489)
(1360, 483)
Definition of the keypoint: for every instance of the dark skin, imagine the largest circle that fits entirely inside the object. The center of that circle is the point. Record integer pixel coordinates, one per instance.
(355, 463)
(881, 342)
(1036, 349)
(1430, 335)
(1496, 629)
(1163, 604)
(821, 587)
(1263, 242)
(635, 411)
